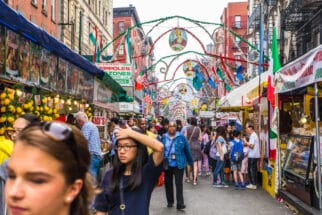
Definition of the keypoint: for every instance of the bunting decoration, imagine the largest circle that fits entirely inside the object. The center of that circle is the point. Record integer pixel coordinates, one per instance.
(239, 74)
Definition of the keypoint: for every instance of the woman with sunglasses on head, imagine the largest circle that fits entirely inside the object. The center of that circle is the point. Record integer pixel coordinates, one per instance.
(127, 187)
(48, 172)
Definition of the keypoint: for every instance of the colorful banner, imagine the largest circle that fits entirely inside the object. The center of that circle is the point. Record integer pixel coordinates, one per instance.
(120, 72)
(304, 71)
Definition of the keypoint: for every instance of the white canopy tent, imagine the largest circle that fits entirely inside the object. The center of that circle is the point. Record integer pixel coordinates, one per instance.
(242, 95)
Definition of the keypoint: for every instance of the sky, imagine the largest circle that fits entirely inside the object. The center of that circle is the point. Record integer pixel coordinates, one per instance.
(202, 10)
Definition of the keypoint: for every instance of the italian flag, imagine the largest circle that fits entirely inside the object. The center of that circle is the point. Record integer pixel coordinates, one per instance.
(274, 66)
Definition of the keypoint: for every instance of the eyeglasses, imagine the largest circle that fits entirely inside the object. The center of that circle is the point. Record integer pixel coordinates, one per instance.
(60, 133)
(125, 147)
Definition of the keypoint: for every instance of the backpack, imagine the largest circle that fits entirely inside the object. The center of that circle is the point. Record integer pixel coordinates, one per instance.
(207, 147)
(237, 151)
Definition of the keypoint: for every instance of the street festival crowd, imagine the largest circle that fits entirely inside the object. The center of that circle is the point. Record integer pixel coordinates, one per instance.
(66, 168)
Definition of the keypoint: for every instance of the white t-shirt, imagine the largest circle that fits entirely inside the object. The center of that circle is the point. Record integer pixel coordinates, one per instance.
(254, 152)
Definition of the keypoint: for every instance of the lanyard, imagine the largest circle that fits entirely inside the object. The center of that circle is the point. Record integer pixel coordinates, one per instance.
(122, 203)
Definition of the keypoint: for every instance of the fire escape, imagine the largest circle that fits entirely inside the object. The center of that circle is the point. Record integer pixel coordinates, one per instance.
(302, 18)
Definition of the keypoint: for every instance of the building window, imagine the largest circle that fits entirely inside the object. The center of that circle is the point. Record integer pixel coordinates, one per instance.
(34, 3)
(237, 22)
(121, 50)
(237, 41)
(44, 5)
(121, 27)
(52, 10)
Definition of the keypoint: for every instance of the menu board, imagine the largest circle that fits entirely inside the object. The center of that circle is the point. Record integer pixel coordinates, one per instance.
(24, 59)
(61, 76)
(72, 79)
(48, 70)
(35, 62)
(12, 54)
(86, 85)
(2, 49)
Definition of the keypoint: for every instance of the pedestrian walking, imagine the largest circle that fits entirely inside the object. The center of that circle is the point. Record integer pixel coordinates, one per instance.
(221, 151)
(236, 157)
(90, 131)
(127, 186)
(204, 161)
(253, 155)
(194, 137)
(47, 172)
(178, 154)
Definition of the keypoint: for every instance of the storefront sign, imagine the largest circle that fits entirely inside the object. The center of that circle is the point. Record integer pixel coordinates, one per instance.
(125, 107)
(98, 120)
(301, 72)
(121, 73)
(206, 114)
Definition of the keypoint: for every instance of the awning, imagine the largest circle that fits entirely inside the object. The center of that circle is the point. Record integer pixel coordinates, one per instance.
(245, 94)
(301, 72)
(18, 23)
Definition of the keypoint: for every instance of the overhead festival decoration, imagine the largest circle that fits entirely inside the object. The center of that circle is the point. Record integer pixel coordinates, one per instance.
(178, 39)
(188, 68)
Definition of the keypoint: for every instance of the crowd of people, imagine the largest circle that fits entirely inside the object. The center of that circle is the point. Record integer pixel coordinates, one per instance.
(63, 161)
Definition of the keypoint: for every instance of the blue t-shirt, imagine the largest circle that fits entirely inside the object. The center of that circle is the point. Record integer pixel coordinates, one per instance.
(136, 201)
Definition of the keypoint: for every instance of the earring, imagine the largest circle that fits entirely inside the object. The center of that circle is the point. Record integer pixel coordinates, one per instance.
(69, 199)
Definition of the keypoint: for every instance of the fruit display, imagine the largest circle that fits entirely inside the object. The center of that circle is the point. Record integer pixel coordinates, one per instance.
(14, 103)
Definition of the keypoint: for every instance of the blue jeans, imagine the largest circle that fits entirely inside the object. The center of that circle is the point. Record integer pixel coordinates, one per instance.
(219, 169)
(95, 166)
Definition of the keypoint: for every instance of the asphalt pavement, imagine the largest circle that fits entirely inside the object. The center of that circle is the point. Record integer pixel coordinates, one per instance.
(204, 199)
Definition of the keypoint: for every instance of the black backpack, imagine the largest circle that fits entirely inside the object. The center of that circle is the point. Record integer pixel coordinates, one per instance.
(207, 147)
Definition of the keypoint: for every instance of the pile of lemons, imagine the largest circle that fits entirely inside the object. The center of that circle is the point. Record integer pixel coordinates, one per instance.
(12, 107)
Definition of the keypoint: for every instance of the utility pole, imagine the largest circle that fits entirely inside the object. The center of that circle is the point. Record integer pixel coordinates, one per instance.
(80, 32)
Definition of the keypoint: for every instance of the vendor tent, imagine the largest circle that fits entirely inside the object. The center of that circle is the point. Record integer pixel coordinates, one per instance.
(302, 72)
(245, 94)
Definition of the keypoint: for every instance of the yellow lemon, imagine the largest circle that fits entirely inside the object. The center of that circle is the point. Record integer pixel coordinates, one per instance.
(11, 108)
(11, 96)
(3, 95)
(3, 109)
(57, 115)
(25, 106)
(2, 130)
(18, 110)
(6, 101)
(10, 119)
(3, 119)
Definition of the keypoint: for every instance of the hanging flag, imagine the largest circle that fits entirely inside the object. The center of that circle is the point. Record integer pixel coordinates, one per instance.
(139, 81)
(215, 74)
(239, 74)
(196, 83)
(227, 87)
(128, 47)
(274, 66)
(212, 83)
(225, 70)
(220, 74)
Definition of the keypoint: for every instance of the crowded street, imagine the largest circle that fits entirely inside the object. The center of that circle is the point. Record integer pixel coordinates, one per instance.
(207, 200)
(137, 107)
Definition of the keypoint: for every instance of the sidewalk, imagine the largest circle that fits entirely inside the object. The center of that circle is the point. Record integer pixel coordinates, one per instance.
(204, 199)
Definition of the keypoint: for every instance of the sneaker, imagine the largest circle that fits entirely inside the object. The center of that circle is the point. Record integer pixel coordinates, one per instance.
(170, 205)
(181, 207)
(208, 174)
(236, 186)
(251, 186)
(217, 185)
(242, 186)
(199, 174)
(224, 185)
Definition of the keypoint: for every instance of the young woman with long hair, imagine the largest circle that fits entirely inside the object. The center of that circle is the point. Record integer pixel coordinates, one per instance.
(48, 171)
(127, 187)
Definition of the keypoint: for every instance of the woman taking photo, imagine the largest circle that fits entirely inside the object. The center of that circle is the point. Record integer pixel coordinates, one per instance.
(127, 187)
(47, 172)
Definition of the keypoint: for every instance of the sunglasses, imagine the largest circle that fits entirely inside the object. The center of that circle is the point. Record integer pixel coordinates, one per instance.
(61, 133)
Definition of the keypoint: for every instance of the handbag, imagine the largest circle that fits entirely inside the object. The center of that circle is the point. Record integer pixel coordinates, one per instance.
(166, 160)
